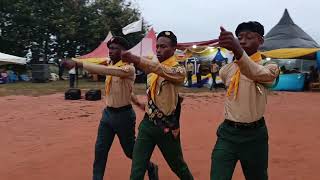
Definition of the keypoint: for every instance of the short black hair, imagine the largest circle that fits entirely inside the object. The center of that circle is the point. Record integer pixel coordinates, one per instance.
(170, 35)
(120, 41)
(251, 26)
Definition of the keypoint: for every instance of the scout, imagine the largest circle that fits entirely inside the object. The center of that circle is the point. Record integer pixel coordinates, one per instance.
(160, 125)
(243, 134)
(118, 118)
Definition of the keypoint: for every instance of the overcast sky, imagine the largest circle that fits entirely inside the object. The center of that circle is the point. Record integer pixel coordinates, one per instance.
(197, 20)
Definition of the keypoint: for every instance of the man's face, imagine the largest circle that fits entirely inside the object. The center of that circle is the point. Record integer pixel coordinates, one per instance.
(115, 51)
(165, 49)
(250, 41)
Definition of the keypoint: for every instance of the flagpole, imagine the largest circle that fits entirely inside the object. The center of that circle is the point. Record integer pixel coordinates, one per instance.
(135, 27)
(141, 41)
(141, 46)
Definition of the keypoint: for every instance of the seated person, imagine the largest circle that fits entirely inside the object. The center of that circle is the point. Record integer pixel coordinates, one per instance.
(314, 76)
(283, 70)
(4, 76)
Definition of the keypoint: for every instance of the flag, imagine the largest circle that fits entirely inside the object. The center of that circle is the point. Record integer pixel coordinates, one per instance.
(133, 27)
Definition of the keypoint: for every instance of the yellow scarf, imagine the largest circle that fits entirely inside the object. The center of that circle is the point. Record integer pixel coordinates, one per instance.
(234, 84)
(109, 78)
(152, 80)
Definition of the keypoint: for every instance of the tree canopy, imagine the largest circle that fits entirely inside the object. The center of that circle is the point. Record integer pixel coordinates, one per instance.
(62, 28)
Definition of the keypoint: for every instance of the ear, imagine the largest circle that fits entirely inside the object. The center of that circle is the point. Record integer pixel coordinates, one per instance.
(261, 40)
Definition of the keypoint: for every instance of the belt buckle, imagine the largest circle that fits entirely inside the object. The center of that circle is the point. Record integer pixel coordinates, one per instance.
(255, 125)
(236, 125)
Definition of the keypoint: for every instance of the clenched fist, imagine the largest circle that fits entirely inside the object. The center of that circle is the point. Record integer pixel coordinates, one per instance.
(69, 64)
(228, 41)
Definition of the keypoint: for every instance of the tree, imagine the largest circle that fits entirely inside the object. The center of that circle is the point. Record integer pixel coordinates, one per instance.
(59, 28)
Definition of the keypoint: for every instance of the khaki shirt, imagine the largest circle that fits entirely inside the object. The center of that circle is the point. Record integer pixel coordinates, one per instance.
(250, 104)
(214, 68)
(190, 67)
(168, 83)
(121, 84)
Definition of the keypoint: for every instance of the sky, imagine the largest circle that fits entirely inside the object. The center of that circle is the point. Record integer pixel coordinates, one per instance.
(199, 20)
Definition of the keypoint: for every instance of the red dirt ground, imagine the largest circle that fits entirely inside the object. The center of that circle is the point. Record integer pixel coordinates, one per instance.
(48, 138)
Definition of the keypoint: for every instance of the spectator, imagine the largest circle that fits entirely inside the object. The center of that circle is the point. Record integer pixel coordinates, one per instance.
(72, 77)
(214, 70)
(190, 69)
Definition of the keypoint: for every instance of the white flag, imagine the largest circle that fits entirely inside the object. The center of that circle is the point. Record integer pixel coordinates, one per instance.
(133, 27)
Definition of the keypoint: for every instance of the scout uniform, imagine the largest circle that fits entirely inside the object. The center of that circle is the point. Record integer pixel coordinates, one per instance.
(161, 117)
(118, 118)
(243, 135)
(190, 70)
(214, 68)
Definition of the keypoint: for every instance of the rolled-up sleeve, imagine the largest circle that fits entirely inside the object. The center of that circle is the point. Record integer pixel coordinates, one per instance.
(124, 71)
(174, 74)
(257, 72)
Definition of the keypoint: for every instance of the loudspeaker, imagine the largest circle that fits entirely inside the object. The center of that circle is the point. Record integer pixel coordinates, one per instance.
(40, 72)
(72, 94)
(93, 95)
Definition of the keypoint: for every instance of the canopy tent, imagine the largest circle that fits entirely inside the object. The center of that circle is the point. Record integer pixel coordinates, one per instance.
(147, 46)
(288, 44)
(10, 59)
(203, 50)
(183, 46)
(200, 54)
(288, 40)
(100, 54)
(289, 53)
(205, 53)
(219, 57)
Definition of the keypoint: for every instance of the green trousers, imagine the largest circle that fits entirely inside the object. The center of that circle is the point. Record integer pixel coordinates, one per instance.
(120, 123)
(249, 146)
(148, 137)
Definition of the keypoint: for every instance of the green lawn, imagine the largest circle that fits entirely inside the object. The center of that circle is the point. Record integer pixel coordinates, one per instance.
(37, 89)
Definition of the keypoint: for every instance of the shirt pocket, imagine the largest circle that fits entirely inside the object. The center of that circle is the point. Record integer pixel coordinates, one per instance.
(116, 83)
(163, 84)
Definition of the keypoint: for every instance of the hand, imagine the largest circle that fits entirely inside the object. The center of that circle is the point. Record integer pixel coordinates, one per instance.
(176, 133)
(135, 101)
(69, 64)
(141, 106)
(228, 41)
(127, 56)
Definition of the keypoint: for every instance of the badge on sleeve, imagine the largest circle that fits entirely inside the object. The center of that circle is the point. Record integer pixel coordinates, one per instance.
(180, 69)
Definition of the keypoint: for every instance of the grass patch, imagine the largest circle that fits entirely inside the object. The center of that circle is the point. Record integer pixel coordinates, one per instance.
(38, 89)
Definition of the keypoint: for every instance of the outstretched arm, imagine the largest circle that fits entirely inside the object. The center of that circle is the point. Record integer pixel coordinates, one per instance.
(250, 69)
(124, 71)
(174, 74)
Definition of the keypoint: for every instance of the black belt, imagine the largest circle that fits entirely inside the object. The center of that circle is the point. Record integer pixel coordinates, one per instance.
(122, 108)
(240, 125)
